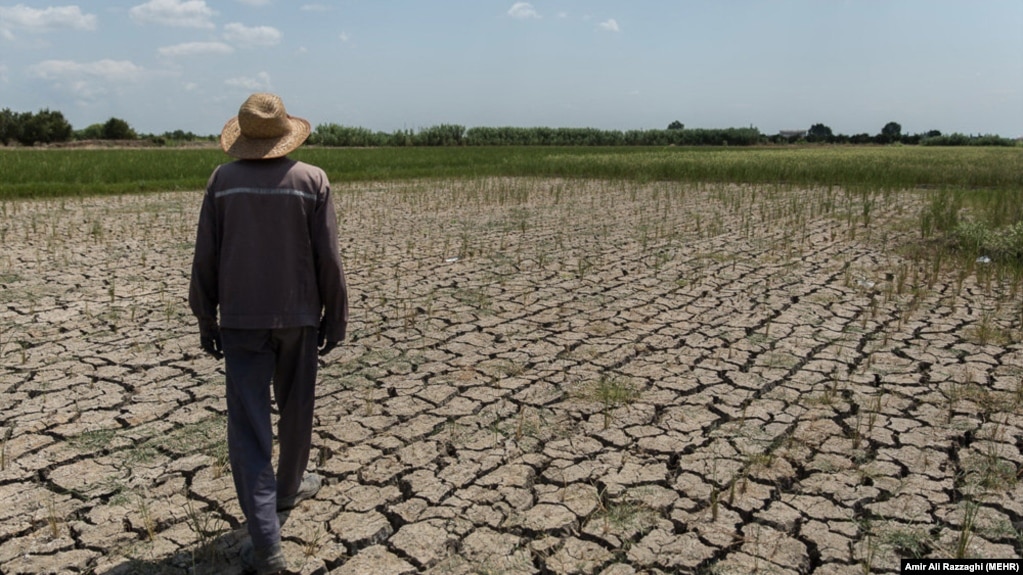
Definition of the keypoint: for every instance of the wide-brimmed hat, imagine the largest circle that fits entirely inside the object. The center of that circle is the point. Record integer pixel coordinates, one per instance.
(263, 129)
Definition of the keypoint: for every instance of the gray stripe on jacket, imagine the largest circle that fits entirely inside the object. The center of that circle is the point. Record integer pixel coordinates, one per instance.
(265, 192)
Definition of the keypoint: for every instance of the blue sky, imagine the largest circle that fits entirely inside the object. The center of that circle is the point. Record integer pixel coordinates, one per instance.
(854, 65)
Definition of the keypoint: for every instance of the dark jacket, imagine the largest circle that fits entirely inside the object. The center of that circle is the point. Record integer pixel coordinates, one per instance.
(266, 251)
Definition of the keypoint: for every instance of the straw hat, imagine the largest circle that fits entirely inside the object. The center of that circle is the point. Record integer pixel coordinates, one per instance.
(263, 129)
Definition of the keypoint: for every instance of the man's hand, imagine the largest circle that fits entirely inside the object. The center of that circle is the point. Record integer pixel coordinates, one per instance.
(327, 347)
(322, 343)
(212, 346)
(209, 340)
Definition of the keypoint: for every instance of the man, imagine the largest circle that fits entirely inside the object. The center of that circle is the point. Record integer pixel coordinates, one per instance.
(266, 256)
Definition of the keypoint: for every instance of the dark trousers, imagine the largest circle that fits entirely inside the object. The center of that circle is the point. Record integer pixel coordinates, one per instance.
(254, 359)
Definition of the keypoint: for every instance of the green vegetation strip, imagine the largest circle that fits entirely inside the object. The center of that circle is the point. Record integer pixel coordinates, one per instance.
(35, 173)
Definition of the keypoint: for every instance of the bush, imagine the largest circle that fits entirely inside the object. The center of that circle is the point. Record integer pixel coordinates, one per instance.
(1000, 244)
(90, 132)
(971, 237)
(964, 140)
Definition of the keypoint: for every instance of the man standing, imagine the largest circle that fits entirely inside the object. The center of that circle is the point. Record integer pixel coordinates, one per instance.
(266, 255)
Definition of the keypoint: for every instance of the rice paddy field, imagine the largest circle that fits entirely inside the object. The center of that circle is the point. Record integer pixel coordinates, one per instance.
(561, 361)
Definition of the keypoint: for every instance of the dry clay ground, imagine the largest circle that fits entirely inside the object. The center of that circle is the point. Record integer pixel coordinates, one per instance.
(542, 377)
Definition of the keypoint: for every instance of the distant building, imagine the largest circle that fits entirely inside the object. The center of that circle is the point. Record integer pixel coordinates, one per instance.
(792, 134)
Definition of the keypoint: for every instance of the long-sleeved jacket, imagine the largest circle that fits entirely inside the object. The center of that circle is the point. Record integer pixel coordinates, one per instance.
(266, 250)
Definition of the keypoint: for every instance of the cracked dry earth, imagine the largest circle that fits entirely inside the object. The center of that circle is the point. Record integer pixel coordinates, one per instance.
(543, 377)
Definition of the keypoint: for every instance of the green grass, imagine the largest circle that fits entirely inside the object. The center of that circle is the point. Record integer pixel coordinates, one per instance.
(31, 173)
(975, 203)
(53, 173)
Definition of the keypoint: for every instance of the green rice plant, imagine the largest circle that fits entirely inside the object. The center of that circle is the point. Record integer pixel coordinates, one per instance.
(95, 440)
(53, 518)
(582, 267)
(206, 525)
(610, 392)
(138, 455)
(966, 531)
(870, 548)
(626, 517)
(477, 298)
(941, 213)
(988, 470)
(908, 542)
(52, 173)
(1004, 529)
(867, 202)
(715, 498)
(96, 230)
(148, 523)
(369, 401)
(987, 332)
(207, 436)
(613, 392)
(3, 447)
(875, 410)
(312, 545)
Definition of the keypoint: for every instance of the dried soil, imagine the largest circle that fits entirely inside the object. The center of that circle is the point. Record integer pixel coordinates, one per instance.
(543, 376)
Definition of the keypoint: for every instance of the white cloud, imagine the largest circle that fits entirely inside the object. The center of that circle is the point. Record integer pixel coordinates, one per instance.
(195, 49)
(315, 8)
(250, 37)
(255, 2)
(88, 80)
(23, 17)
(259, 83)
(184, 13)
(113, 70)
(344, 37)
(523, 11)
(609, 25)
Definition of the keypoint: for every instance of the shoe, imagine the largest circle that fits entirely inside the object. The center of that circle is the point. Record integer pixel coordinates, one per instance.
(310, 486)
(263, 561)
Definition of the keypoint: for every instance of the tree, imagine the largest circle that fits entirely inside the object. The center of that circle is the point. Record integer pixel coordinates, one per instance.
(819, 133)
(676, 125)
(90, 132)
(118, 129)
(44, 127)
(891, 132)
(9, 128)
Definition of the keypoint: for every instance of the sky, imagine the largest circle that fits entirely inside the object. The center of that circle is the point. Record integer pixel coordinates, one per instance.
(385, 65)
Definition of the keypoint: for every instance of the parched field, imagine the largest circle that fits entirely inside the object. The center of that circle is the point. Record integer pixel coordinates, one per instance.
(543, 377)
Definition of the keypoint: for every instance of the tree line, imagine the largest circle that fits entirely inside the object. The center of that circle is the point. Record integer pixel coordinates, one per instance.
(50, 126)
(676, 134)
(891, 133)
(456, 135)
